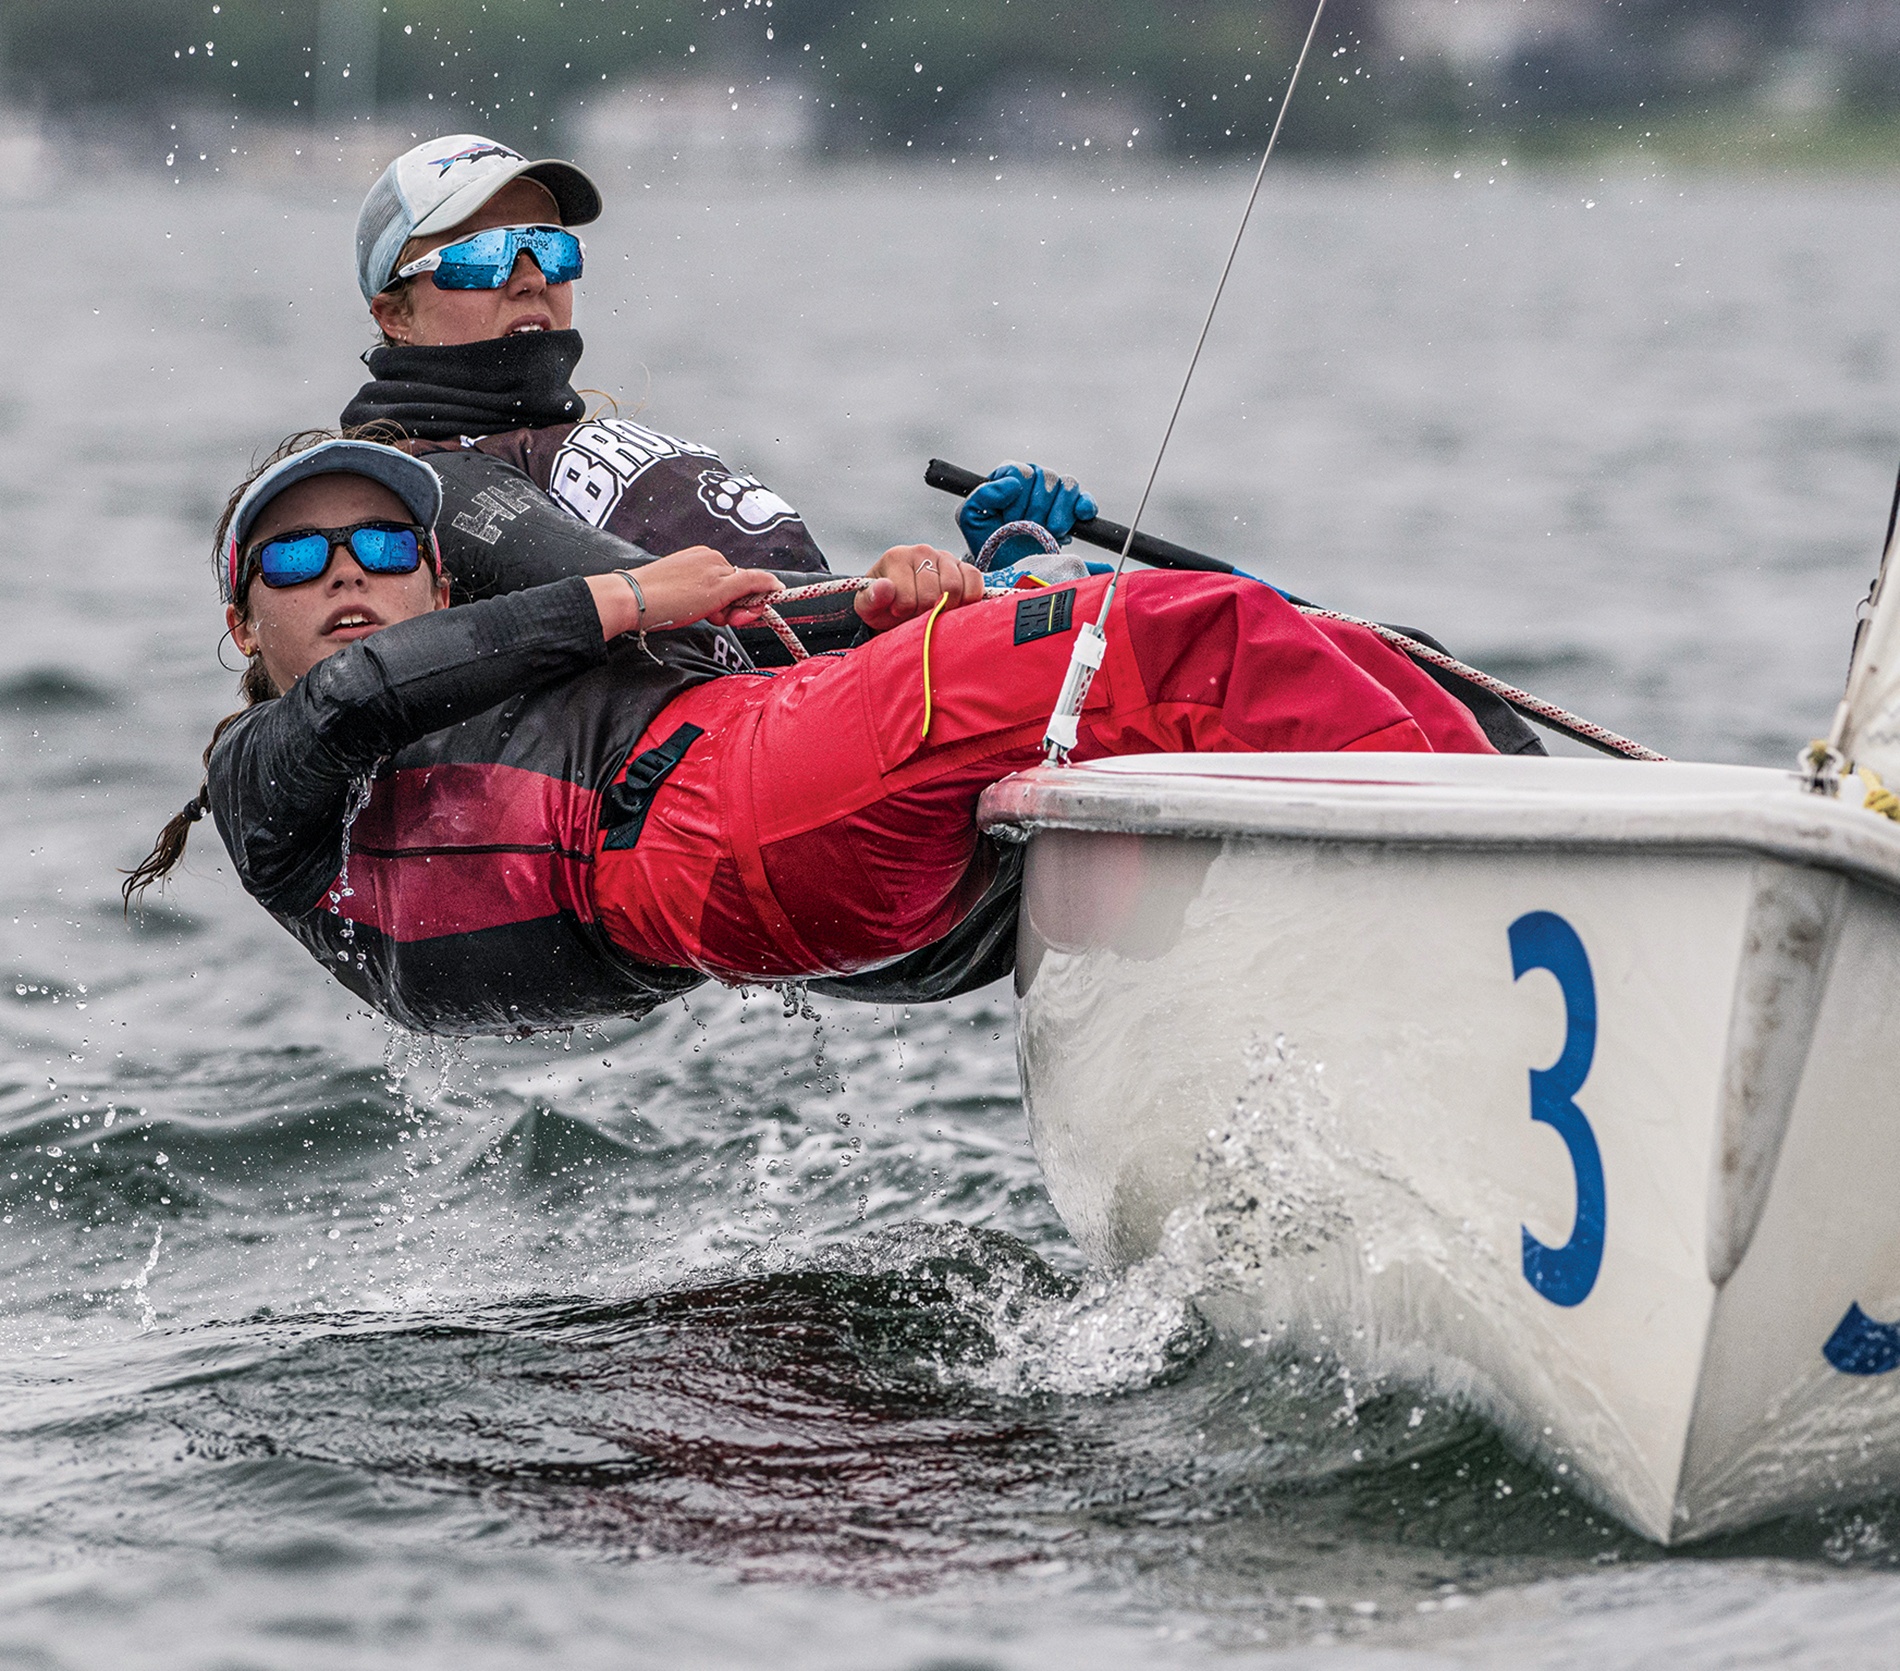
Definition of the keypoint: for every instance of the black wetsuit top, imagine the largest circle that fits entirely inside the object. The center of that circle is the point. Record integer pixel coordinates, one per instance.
(534, 493)
(512, 399)
(476, 745)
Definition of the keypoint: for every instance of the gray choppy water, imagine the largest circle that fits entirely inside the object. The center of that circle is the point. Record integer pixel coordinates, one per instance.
(740, 1337)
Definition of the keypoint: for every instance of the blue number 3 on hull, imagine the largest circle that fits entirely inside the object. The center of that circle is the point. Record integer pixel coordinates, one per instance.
(1543, 940)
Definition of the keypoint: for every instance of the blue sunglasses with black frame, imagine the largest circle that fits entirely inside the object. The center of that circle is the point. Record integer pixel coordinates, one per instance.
(485, 260)
(304, 554)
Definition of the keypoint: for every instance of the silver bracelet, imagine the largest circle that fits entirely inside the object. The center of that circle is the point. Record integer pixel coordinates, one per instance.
(639, 597)
(640, 627)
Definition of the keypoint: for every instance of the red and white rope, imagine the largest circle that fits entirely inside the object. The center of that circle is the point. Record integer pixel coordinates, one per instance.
(1558, 719)
(797, 594)
(823, 588)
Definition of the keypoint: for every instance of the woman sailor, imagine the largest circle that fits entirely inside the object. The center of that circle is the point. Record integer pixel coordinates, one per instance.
(466, 255)
(561, 803)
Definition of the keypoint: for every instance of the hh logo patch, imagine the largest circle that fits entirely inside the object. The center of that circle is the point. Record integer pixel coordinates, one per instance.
(493, 506)
(1042, 614)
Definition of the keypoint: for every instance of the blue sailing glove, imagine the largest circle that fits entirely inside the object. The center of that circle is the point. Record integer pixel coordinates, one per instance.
(1022, 493)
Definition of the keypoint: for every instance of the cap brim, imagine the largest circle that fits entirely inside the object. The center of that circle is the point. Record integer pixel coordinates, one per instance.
(412, 481)
(577, 199)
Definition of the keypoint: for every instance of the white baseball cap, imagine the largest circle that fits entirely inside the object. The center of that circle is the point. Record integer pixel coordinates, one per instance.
(440, 183)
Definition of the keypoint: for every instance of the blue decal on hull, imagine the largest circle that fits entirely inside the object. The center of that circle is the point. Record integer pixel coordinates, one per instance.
(1543, 940)
(1860, 1346)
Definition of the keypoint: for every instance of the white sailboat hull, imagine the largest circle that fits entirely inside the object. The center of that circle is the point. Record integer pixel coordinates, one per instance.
(1557, 1085)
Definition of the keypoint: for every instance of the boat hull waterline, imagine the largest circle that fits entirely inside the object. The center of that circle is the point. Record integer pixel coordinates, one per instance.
(1554, 1086)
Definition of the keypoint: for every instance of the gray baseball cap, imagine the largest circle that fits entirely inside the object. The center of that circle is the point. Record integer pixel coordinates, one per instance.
(412, 481)
(441, 182)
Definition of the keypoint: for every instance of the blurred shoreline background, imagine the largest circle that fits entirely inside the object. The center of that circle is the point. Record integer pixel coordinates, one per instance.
(197, 90)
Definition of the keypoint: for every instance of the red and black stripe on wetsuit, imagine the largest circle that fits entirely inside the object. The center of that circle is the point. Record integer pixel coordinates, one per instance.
(488, 734)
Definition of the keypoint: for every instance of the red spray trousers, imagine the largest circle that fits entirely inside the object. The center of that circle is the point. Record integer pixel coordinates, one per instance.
(814, 829)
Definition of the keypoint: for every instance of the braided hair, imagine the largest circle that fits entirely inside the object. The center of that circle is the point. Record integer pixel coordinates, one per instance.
(255, 686)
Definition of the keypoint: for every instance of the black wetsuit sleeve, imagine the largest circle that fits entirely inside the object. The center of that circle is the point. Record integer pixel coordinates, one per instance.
(281, 775)
(500, 533)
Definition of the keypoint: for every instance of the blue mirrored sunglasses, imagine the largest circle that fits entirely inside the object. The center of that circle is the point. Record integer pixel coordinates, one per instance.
(484, 261)
(305, 553)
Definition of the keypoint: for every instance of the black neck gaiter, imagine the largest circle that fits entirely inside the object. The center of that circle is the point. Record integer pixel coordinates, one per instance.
(471, 388)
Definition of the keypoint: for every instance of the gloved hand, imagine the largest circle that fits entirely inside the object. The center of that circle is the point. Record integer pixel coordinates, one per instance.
(1019, 493)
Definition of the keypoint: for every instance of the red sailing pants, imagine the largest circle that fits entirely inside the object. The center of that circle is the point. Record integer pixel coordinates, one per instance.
(814, 829)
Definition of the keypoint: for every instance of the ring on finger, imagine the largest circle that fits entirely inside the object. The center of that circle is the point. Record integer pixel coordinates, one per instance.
(927, 563)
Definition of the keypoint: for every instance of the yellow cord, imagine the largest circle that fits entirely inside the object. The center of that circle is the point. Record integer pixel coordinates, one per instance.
(1880, 798)
(929, 627)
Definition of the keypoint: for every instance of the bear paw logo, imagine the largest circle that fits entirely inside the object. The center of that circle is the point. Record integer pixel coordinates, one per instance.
(744, 501)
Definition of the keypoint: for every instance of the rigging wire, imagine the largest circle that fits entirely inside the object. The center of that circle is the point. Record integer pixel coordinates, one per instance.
(1090, 641)
(1822, 760)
